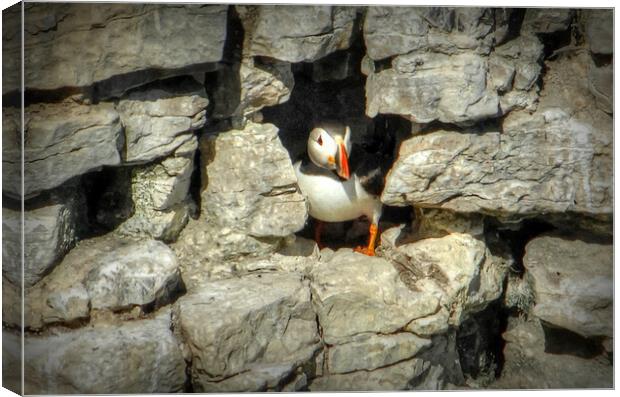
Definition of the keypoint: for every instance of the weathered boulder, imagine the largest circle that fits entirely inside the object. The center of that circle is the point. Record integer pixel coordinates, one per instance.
(286, 33)
(135, 357)
(161, 117)
(573, 283)
(50, 230)
(390, 31)
(531, 363)
(599, 30)
(441, 64)
(76, 45)
(61, 141)
(357, 296)
(548, 162)
(267, 83)
(430, 86)
(261, 329)
(134, 274)
(546, 20)
(159, 192)
(104, 273)
(457, 269)
(249, 197)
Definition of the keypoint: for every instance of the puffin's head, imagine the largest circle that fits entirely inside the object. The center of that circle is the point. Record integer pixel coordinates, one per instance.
(329, 148)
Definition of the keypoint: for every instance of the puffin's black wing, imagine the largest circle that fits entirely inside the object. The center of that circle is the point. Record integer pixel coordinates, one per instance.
(370, 168)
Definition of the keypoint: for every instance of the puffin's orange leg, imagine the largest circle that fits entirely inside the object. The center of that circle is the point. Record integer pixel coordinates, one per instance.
(318, 228)
(370, 249)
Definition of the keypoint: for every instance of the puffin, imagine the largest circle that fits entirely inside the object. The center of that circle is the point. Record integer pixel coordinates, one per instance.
(341, 181)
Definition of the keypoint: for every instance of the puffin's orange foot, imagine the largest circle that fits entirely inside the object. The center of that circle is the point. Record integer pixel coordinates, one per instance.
(365, 250)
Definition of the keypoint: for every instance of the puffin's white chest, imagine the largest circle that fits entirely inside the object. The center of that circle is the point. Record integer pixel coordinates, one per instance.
(333, 200)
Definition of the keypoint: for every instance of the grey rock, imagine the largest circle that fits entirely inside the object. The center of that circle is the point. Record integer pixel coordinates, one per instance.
(546, 20)
(251, 189)
(104, 273)
(261, 328)
(161, 117)
(135, 357)
(61, 141)
(428, 86)
(542, 163)
(269, 83)
(394, 377)
(457, 269)
(286, 33)
(49, 231)
(134, 274)
(76, 45)
(159, 192)
(374, 351)
(528, 365)
(356, 295)
(390, 31)
(600, 82)
(573, 283)
(599, 30)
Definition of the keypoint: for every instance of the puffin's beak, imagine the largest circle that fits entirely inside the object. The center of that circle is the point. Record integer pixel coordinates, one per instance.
(343, 161)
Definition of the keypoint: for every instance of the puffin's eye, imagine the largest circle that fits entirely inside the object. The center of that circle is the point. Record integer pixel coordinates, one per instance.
(320, 140)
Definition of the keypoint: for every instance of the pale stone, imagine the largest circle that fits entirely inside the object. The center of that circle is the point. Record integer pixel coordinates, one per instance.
(261, 328)
(573, 283)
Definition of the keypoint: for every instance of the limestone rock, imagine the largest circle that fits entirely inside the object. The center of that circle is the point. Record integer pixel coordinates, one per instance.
(159, 192)
(546, 20)
(134, 274)
(261, 328)
(542, 163)
(390, 31)
(104, 273)
(375, 351)
(441, 64)
(600, 82)
(161, 117)
(250, 193)
(573, 283)
(286, 33)
(393, 377)
(599, 30)
(268, 83)
(429, 86)
(49, 231)
(76, 45)
(355, 295)
(528, 364)
(457, 269)
(136, 357)
(62, 140)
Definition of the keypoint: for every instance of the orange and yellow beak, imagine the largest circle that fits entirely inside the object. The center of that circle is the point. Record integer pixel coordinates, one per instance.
(343, 161)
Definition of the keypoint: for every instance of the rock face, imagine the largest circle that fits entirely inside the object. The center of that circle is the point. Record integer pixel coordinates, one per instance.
(572, 281)
(161, 118)
(105, 273)
(122, 39)
(249, 188)
(49, 232)
(261, 329)
(529, 365)
(159, 193)
(552, 161)
(286, 33)
(61, 141)
(139, 356)
(168, 248)
(441, 60)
